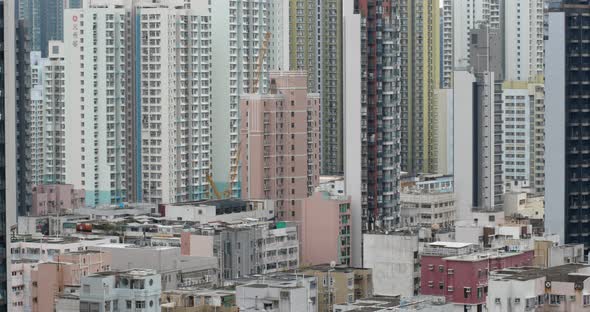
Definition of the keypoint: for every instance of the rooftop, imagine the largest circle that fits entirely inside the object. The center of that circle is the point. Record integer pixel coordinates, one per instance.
(487, 254)
(450, 244)
(372, 304)
(563, 273)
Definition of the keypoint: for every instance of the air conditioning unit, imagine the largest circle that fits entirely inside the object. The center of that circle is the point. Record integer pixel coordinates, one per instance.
(516, 300)
(497, 301)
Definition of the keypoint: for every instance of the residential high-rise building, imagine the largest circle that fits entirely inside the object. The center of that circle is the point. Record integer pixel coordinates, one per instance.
(381, 36)
(23, 119)
(316, 47)
(96, 82)
(239, 29)
(145, 86)
(459, 18)
(280, 133)
(520, 23)
(478, 164)
(522, 127)
(44, 20)
(567, 128)
(48, 116)
(175, 82)
(8, 142)
(523, 37)
(420, 73)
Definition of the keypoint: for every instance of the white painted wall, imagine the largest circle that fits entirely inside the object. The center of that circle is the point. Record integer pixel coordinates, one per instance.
(391, 257)
(463, 143)
(555, 126)
(352, 126)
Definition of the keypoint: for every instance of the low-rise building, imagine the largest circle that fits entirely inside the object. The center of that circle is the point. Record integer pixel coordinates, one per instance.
(284, 292)
(130, 290)
(50, 278)
(462, 276)
(245, 248)
(199, 300)
(46, 248)
(393, 258)
(340, 284)
(371, 304)
(561, 288)
(175, 270)
(434, 209)
(56, 198)
(219, 210)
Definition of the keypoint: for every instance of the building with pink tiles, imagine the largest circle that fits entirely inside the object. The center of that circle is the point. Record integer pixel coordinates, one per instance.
(52, 198)
(462, 276)
(325, 229)
(280, 141)
(50, 278)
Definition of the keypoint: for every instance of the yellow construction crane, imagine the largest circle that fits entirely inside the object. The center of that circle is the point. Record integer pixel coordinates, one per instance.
(213, 186)
(261, 55)
(233, 173)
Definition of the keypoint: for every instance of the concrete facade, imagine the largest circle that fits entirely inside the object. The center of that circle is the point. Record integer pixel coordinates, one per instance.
(137, 289)
(173, 268)
(562, 288)
(68, 269)
(394, 260)
(281, 136)
(285, 293)
(340, 285)
(462, 279)
(56, 198)
(325, 220)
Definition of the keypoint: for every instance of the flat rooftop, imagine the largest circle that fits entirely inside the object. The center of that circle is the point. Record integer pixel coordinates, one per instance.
(562, 273)
(450, 244)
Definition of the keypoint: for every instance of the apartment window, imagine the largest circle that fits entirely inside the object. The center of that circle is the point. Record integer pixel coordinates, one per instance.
(586, 300)
(430, 284)
(479, 292)
(441, 268)
(466, 292)
(140, 304)
(128, 304)
(556, 299)
(450, 289)
(441, 285)
(431, 267)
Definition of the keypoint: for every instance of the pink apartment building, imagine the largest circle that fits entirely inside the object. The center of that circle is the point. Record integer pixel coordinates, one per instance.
(462, 278)
(52, 198)
(280, 141)
(51, 278)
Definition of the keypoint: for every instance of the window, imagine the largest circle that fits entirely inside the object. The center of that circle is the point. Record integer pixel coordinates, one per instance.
(441, 268)
(555, 299)
(451, 271)
(430, 284)
(431, 267)
(450, 289)
(128, 304)
(86, 289)
(466, 292)
(479, 292)
(140, 304)
(441, 285)
(586, 300)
